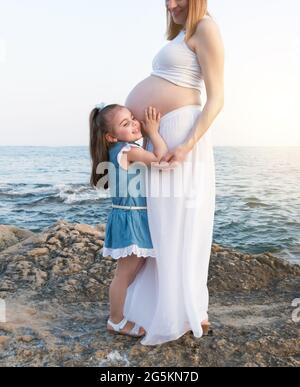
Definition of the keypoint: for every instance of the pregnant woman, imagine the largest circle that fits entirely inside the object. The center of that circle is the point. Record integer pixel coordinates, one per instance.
(169, 296)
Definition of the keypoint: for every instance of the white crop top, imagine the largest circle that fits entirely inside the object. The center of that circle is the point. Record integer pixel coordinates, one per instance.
(177, 63)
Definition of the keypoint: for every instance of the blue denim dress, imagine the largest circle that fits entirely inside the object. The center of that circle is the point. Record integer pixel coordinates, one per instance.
(127, 230)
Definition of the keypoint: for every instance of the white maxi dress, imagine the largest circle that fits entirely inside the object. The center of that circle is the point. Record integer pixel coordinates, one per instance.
(169, 296)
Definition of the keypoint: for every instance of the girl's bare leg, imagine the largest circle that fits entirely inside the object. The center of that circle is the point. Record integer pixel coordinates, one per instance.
(126, 271)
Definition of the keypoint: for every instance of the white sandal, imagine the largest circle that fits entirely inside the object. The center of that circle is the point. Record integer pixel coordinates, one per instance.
(134, 332)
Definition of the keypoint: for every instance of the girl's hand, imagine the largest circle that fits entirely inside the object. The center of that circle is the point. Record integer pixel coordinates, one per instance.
(152, 120)
(175, 157)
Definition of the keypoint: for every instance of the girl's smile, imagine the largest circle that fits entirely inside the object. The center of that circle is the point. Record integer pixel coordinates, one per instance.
(125, 126)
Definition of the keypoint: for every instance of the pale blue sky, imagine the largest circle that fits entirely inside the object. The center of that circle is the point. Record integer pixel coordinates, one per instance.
(59, 58)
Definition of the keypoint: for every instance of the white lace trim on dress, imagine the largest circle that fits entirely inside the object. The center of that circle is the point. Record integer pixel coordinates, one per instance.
(126, 251)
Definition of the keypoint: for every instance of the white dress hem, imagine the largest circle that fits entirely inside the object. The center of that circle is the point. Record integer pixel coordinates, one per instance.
(127, 251)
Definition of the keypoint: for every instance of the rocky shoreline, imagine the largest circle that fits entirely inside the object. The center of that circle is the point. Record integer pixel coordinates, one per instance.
(55, 285)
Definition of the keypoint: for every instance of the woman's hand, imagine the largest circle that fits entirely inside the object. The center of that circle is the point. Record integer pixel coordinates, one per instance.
(175, 157)
(152, 120)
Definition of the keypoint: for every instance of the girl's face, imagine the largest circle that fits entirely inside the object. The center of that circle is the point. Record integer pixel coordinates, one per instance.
(125, 127)
(178, 10)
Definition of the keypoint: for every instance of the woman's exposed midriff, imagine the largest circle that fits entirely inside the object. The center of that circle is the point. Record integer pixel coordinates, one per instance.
(162, 94)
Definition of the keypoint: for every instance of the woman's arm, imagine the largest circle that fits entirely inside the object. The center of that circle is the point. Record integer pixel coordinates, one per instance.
(210, 53)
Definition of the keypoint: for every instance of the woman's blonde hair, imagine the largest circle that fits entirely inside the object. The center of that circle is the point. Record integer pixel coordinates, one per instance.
(197, 10)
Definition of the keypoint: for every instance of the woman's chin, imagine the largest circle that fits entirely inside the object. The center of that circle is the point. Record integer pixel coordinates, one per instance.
(178, 20)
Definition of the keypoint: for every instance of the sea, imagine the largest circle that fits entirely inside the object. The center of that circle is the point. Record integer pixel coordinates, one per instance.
(257, 200)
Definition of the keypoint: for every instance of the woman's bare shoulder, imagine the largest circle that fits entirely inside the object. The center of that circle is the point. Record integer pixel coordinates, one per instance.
(206, 25)
(206, 33)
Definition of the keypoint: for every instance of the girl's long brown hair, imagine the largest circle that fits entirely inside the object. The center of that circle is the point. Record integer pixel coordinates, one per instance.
(197, 10)
(99, 146)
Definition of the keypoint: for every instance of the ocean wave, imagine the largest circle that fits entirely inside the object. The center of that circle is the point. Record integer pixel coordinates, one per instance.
(256, 204)
(45, 193)
(74, 194)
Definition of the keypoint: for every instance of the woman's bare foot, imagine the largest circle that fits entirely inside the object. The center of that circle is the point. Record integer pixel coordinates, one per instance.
(205, 325)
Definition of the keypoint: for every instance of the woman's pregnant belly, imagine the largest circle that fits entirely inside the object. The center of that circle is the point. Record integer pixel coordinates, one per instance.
(161, 94)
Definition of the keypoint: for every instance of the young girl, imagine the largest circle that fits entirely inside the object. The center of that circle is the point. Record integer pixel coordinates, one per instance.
(115, 137)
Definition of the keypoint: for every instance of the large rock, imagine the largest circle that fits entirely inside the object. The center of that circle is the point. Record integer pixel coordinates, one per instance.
(10, 236)
(56, 289)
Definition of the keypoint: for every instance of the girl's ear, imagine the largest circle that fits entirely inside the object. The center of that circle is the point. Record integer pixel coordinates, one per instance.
(110, 138)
